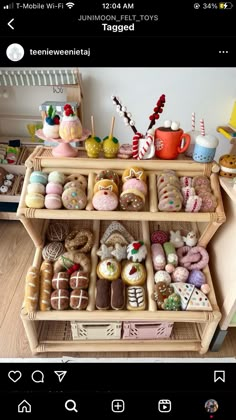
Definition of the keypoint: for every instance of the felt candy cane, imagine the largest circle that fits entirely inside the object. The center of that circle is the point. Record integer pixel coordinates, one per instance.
(146, 146)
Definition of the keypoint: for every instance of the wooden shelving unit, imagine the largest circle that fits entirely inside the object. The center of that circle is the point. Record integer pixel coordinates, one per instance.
(51, 330)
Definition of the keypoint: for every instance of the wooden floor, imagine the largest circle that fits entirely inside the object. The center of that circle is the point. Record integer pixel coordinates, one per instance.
(16, 255)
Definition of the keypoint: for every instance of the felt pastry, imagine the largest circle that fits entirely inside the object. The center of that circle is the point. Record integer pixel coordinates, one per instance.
(53, 201)
(134, 274)
(105, 200)
(193, 258)
(171, 255)
(186, 193)
(70, 127)
(52, 251)
(31, 289)
(119, 252)
(117, 294)
(161, 292)
(108, 174)
(77, 179)
(125, 151)
(74, 198)
(60, 299)
(105, 252)
(197, 278)
(45, 287)
(198, 302)
(170, 202)
(70, 258)
(136, 251)
(60, 280)
(158, 256)
(162, 276)
(79, 280)
(132, 200)
(81, 240)
(106, 184)
(172, 303)
(34, 200)
(79, 299)
(117, 227)
(136, 299)
(134, 172)
(103, 294)
(109, 269)
(185, 181)
(134, 183)
(57, 231)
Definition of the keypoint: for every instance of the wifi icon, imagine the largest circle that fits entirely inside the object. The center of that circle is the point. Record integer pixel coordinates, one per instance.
(70, 5)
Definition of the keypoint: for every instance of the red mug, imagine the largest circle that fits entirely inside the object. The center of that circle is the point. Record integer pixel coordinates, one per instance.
(168, 143)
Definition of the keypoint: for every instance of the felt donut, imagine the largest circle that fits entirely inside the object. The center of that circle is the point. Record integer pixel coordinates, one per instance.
(81, 240)
(74, 198)
(134, 172)
(193, 258)
(70, 258)
(137, 184)
(106, 184)
(132, 200)
(105, 200)
(108, 174)
(77, 178)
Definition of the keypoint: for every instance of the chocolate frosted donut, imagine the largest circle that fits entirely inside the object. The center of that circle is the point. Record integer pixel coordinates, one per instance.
(108, 174)
(132, 200)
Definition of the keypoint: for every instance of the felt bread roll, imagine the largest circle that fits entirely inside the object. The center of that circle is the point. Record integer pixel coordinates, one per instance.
(45, 288)
(31, 289)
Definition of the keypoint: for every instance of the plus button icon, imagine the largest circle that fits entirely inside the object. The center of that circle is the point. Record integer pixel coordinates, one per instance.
(117, 406)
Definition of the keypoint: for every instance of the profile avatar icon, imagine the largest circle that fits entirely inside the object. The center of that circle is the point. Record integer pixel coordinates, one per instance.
(15, 52)
(211, 406)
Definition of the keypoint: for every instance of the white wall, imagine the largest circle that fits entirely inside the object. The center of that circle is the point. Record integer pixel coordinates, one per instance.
(209, 92)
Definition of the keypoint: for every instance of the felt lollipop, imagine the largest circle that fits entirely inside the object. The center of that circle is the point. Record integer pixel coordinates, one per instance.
(93, 144)
(110, 143)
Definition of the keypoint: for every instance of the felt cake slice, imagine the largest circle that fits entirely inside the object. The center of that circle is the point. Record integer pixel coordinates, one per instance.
(199, 302)
(184, 290)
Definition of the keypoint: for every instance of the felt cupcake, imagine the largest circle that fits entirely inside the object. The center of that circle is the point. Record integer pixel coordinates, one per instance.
(70, 126)
(51, 124)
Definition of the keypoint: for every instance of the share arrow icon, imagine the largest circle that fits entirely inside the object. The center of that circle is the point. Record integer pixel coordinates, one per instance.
(60, 374)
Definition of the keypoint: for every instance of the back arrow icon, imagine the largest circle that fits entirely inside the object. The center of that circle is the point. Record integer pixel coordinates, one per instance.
(9, 23)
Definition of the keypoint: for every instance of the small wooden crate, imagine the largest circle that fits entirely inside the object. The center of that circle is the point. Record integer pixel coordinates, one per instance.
(96, 330)
(140, 330)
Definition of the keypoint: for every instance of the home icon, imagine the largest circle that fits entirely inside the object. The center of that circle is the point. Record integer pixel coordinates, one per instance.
(24, 407)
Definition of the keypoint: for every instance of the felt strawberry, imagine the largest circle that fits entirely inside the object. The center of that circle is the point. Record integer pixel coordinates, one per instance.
(74, 267)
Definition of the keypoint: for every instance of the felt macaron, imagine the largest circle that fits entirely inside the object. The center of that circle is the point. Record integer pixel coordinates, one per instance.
(54, 188)
(36, 188)
(34, 200)
(53, 201)
(38, 177)
(57, 177)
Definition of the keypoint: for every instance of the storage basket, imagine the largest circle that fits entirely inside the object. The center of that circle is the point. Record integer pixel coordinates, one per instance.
(146, 330)
(96, 330)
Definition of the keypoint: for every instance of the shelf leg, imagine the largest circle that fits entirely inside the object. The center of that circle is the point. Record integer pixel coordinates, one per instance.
(32, 334)
(218, 339)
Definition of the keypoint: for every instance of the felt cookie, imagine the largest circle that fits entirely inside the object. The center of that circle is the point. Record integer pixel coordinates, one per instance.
(170, 204)
(200, 180)
(134, 172)
(161, 292)
(119, 252)
(209, 202)
(184, 290)
(106, 184)
(193, 204)
(172, 303)
(105, 251)
(186, 193)
(136, 299)
(185, 181)
(168, 189)
(116, 227)
(116, 238)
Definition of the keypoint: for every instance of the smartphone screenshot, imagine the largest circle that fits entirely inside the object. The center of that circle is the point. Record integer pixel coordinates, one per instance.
(118, 209)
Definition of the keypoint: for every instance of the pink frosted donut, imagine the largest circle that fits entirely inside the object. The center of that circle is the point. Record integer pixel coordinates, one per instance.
(54, 188)
(53, 201)
(105, 200)
(135, 183)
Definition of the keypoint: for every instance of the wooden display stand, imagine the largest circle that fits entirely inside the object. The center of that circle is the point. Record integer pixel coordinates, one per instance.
(51, 330)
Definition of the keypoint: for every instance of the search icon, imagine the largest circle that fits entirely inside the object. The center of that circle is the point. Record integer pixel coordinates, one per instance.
(70, 405)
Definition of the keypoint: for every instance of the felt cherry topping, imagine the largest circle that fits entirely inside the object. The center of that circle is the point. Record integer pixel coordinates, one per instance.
(133, 270)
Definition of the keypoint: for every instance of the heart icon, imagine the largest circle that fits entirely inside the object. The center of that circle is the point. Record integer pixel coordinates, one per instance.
(14, 375)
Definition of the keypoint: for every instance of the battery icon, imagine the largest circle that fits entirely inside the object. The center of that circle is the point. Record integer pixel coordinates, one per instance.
(227, 5)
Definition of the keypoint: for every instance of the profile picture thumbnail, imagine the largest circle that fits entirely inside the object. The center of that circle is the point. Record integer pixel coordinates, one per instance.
(211, 406)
